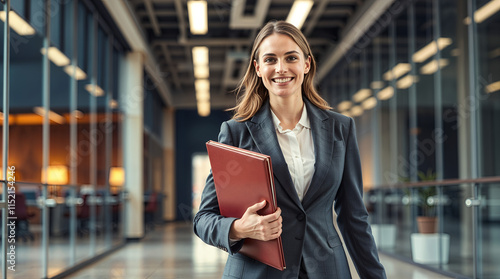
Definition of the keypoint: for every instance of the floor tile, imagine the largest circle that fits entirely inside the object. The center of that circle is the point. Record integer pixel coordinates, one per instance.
(173, 251)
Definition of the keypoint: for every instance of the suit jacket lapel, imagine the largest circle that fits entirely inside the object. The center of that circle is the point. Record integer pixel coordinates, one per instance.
(322, 134)
(262, 130)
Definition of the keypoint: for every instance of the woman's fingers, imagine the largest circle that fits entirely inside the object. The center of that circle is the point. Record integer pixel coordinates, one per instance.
(273, 216)
(259, 227)
(256, 207)
(273, 228)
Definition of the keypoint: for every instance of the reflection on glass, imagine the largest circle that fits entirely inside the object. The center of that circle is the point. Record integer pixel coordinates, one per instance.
(377, 85)
(398, 71)
(406, 82)
(95, 90)
(344, 105)
(53, 116)
(76, 72)
(386, 93)
(433, 66)
(56, 56)
(18, 24)
(431, 49)
(361, 95)
(356, 111)
(369, 103)
(493, 87)
(485, 12)
(419, 70)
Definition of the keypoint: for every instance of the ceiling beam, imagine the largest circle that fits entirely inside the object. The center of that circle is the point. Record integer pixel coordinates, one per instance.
(318, 11)
(173, 13)
(210, 42)
(181, 19)
(174, 25)
(152, 17)
(171, 68)
(330, 24)
(338, 12)
(225, 42)
(241, 21)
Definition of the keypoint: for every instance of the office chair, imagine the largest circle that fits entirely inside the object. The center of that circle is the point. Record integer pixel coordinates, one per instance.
(150, 211)
(83, 216)
(23, 216)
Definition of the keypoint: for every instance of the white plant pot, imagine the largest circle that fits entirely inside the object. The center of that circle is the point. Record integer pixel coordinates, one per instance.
(384, 235)
(425, 248)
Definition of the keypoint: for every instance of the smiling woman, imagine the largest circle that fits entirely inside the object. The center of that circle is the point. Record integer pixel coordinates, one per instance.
(282, 67)
(296, 50)
(315, 161)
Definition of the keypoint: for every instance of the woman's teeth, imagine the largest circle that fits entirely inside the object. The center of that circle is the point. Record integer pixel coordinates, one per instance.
(281, 80)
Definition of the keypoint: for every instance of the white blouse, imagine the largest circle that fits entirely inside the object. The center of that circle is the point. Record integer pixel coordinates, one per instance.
(298, 149)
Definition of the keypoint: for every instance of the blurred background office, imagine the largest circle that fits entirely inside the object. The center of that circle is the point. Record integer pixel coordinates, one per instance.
(107, 104)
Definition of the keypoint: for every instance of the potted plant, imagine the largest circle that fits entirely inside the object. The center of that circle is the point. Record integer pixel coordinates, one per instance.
(427, 220)
(428, 247)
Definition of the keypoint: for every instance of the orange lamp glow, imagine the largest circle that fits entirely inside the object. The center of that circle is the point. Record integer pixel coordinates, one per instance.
(56, 175)
(116, 176)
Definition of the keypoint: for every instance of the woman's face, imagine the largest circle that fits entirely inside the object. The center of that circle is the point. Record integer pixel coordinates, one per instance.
(282, 66)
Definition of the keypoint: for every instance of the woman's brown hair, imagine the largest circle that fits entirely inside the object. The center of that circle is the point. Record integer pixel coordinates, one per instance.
(252, 90)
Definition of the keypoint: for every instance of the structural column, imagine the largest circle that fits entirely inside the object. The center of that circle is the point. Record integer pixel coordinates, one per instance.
(465, 132)
(169, 210)
(132, 103)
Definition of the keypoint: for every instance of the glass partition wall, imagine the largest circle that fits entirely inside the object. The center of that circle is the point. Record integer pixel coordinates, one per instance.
(423, 86)
(62, 164)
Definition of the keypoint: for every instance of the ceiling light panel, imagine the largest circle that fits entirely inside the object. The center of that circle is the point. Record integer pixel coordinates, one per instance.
(95, 90)
(356, 111)
(198, 19)
(200, 55)
(56, 56)
(432, 67)
(361, 95)
(386, 93)
(78, 73)
(344, 105)
(485, 12)
(398, 71)
(493, 87)
(203, 108)
(377, 85)
(18, 24)
(431, 49)
(299, 12)
(406, 82)
(369, 103)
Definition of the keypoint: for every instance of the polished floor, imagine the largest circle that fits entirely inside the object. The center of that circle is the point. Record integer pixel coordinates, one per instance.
(173, 251)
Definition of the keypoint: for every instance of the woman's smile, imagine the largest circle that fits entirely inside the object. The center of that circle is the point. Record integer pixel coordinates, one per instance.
(282, 65)
(282, 80)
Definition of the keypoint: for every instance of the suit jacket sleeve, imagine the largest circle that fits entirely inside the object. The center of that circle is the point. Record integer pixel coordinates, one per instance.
(352, 214)
(209, 225)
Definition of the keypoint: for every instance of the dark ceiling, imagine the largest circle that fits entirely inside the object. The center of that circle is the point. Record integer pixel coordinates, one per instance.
(231, 31)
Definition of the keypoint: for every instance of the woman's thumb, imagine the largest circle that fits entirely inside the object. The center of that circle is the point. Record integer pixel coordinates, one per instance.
(256, 207)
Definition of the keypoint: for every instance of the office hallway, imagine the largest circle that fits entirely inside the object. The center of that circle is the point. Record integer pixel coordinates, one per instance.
(173, 251)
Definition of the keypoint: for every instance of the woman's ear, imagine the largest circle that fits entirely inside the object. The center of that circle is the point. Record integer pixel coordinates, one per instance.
(256, 66)
(308, 65)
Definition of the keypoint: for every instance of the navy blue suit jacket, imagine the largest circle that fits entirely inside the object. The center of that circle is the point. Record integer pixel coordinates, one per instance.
(308, 231)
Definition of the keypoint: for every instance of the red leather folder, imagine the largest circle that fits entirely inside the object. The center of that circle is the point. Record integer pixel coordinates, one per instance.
(243, 178)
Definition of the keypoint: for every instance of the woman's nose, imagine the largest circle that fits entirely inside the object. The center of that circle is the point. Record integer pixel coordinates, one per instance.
(280, 67)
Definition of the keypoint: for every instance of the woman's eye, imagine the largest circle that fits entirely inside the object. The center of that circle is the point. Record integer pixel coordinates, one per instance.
(269, 60)
(292, 58)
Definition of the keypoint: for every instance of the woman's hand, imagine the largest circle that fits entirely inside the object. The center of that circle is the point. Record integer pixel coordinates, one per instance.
(253, 225)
